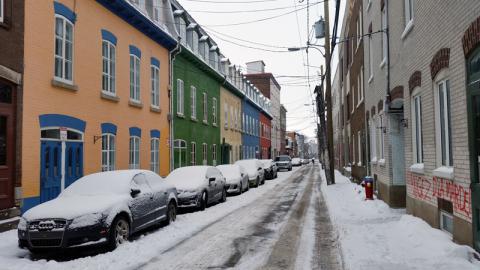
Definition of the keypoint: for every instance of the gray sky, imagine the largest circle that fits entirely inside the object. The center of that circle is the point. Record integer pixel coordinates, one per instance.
(289, 30)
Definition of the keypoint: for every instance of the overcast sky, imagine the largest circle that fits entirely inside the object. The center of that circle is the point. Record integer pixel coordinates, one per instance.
(276, 35)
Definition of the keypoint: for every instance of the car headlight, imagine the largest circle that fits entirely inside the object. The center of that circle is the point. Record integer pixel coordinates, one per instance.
(86, 220)
(22, 224)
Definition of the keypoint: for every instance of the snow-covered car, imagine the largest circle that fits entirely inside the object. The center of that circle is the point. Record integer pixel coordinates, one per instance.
(198, 186)
(283, 162)
(100, 208)
(305, 161)
(296, 162)
(254, 169)
(270, 168)
(236, 178)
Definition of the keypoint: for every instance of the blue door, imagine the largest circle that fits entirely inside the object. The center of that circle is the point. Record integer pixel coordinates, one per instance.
(50, 170)
(73, 162)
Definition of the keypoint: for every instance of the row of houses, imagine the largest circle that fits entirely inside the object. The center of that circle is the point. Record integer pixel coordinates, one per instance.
(405, 107)
(99, 85)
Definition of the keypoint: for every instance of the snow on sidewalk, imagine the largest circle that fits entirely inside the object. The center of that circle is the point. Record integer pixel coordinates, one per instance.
(374, 236)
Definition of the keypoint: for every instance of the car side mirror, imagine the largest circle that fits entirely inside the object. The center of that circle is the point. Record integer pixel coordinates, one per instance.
(211, 180)
(134, 192)
(259, 169)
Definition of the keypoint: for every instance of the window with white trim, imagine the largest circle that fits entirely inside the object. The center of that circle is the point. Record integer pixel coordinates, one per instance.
(180, 99)
(381, 139)
(384, 35)
(2, 11)
(63, 49)
(193, 102)
(134, 78)
(205, 109)
(443, 129)
(417, 128)
(370, 57)
(408, 11)
(204, 154)
(373, 140)
(360, 87)
(354, 157)
(214, 155)
(108, 152)
(108, 61)
(155, 91)
(232, 117)
(134, 153)
(446, 222)
(226, 115)
(154, 155)
(214, 111)
(193, 153)
(359, 144)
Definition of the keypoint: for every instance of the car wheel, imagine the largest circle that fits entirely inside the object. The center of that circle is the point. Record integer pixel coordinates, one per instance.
(171, 213)
(224, 195)
(248, 186)
(257, 182)
(289, 169)
(119, 232)
(203, 201)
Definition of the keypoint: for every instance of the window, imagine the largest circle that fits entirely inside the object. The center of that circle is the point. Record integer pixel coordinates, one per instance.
(408, 11)
(214, 111)
(417, 129)
(373, 140)
(108, 75)
(193, 102)
(63, 49)
(180, 108)
(134, 78)
(354, 157)
(2, 16)
(108, 152)
(204, 154)
(205, 109)
(155, 86)
(359, 144)
(154, 158)
(193, 153)
(381, 137)
(232, 117)
(214, 155)
(444, 140)
(134, 155)
(446, 222)
(370, 57)
(384, 36)
(182, 30)
(226, 115)
(359, 29)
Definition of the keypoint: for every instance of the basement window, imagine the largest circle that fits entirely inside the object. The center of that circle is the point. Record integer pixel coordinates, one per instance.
(446, 216)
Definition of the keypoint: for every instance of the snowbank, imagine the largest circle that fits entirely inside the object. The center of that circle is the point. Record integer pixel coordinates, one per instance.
(374, 236)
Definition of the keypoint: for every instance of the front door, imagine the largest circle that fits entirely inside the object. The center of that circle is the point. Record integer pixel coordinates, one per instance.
(61, 161)
(7, 145)
(473, 106)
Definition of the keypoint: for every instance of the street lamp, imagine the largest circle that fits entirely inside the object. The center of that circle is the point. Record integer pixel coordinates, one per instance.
(310, 46)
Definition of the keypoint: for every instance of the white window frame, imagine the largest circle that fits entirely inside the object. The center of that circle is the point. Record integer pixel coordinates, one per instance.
(155, 155)
(445, 140)
(381, 141)
(180, 97)
(373, 140)
(370, 59)
(108, 152)
(155, 85)
(417, 134)
(444, 215)
(384, 36)
(2, 11)
(62, 56)
(409, 14)
(205, 108)
(214, 111)
(193, 102)
(134, 78)
(214, 155)
(354, 150)
(134, 153)
(108, 68)
(193, 153)
(204, 153)
(359, 145)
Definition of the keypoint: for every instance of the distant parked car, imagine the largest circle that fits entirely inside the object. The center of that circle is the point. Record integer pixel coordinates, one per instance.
(254, 169)
(270, 168)
(296, 162)
(236, 178)
(100, 208)
(305, 161)
(283, 162)
(198, 186)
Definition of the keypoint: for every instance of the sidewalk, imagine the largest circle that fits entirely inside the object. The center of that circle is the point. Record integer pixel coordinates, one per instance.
(374, 236)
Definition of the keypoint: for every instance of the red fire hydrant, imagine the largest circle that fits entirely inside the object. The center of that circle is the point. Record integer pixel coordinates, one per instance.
(367, 183)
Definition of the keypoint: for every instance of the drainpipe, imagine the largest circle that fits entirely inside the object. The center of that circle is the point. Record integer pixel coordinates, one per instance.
(387, 94)
(173, 53)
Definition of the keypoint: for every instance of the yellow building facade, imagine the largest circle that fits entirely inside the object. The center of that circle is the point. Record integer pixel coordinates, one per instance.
(231, 124)
(95, 94)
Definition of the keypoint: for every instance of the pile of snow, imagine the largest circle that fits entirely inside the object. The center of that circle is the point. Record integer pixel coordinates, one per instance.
(374, 236)
(134, 254)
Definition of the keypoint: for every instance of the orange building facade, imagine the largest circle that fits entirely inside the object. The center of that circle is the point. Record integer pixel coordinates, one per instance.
(96, 83)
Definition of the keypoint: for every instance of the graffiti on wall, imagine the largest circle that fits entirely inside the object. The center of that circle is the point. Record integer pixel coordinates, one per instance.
(427, 189)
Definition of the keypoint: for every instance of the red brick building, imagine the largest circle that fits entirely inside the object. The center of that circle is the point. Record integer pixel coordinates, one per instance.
(265, 136)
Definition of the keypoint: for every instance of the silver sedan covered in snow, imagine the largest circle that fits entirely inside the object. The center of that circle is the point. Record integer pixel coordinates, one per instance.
(236, 177)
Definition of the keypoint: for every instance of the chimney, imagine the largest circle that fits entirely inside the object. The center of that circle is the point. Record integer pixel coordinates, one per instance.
(255, 67)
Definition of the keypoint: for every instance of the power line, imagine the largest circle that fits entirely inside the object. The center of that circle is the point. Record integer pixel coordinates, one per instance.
(232, 2)
(244, 11)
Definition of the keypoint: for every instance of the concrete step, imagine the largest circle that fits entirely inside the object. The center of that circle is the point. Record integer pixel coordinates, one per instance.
(9, 219)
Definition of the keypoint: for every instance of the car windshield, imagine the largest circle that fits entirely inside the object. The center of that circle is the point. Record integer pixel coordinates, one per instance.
(115, 182)
(282, 158)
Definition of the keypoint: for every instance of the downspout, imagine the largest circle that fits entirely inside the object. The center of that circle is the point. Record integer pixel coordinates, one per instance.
(173, 53)
(387, 32)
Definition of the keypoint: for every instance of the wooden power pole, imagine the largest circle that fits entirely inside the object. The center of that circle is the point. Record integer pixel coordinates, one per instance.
(330, 173)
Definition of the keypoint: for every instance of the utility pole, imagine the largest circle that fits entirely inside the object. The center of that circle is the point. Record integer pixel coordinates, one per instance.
(330, 173)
